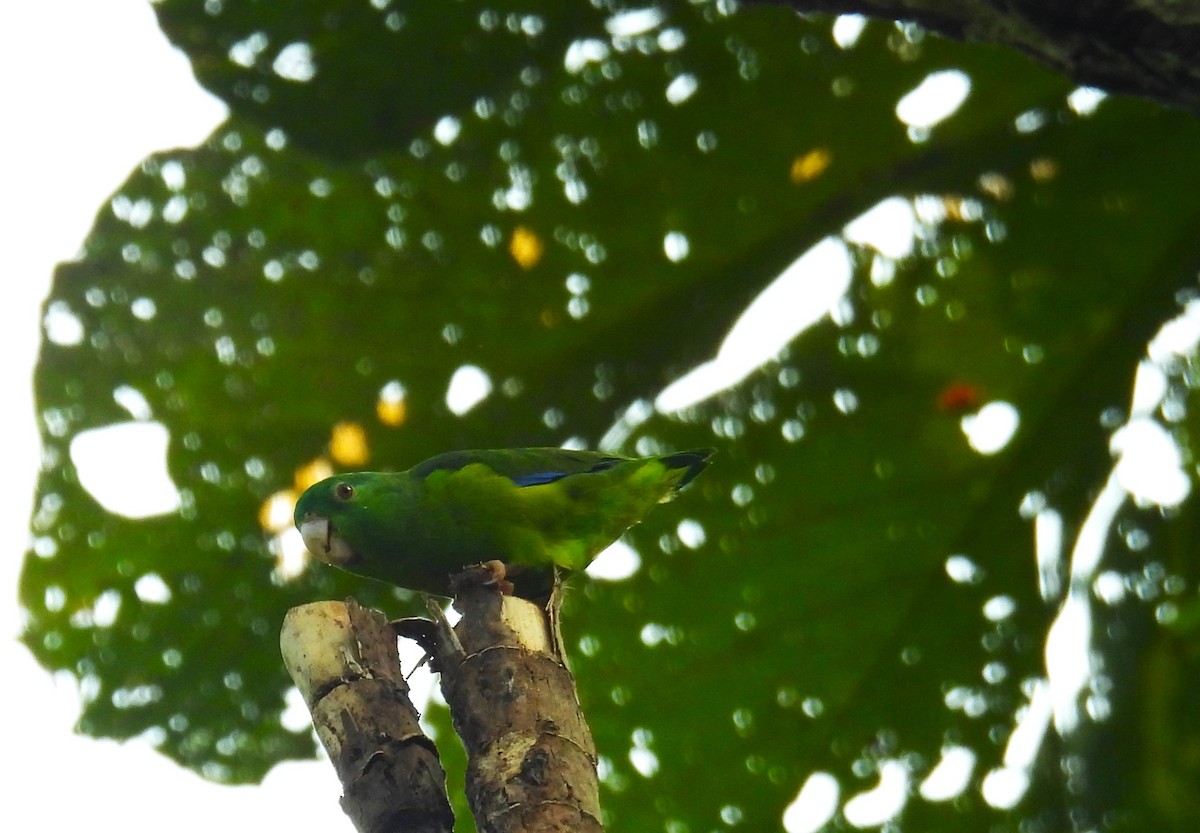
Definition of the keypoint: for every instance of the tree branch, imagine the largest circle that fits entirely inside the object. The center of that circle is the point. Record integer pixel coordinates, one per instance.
(343, 659)
(531, 761)
(1145, 48)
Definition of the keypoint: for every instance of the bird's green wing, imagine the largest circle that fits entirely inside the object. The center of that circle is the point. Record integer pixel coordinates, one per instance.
(523, 466)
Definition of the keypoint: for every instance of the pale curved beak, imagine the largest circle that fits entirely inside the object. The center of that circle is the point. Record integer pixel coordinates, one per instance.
(324, 543)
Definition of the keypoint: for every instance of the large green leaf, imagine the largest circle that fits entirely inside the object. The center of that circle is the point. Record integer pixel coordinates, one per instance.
(263, 293)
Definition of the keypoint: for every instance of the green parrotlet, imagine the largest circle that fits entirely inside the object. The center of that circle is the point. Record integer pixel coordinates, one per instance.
(528, 508)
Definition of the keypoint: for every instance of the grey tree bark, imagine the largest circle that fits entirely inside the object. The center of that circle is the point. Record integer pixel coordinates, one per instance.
(343, 659)
(531, 760)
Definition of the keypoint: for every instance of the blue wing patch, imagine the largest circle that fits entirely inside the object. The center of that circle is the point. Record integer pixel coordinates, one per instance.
(539, 478)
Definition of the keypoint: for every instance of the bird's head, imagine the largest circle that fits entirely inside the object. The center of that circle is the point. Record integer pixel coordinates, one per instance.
(325, 515)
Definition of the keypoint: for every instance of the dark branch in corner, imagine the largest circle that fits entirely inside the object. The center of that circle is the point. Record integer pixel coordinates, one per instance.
(1144, 48)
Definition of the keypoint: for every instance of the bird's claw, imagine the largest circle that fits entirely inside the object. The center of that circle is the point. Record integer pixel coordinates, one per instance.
(492, 573)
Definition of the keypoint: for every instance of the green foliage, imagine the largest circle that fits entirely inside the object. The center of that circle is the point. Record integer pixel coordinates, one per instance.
(264, 288)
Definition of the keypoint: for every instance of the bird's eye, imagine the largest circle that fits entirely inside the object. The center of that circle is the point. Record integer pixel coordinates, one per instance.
(343, 491)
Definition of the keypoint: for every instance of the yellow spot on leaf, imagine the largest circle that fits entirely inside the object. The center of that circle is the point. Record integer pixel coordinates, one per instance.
(997, 186)
(1043, 169)
(312, 472)
(955, 207)
(391, 412)
(811, 165)
(348, 445)
(390, 407)
(525, 247)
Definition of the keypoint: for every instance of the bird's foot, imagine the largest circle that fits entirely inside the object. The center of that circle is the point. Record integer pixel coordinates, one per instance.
(488, 574)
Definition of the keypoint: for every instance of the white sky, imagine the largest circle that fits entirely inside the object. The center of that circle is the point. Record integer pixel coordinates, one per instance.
(90, 88)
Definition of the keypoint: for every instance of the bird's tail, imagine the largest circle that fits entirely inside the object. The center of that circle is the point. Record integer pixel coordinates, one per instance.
(693, 461)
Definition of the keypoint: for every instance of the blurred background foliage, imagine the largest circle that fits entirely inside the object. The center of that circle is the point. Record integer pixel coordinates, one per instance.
(429, 226)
